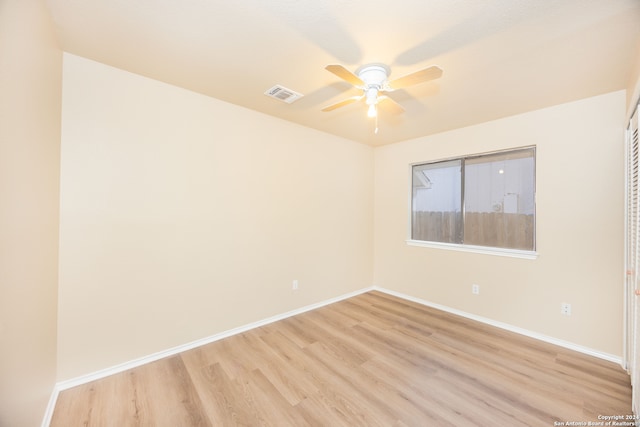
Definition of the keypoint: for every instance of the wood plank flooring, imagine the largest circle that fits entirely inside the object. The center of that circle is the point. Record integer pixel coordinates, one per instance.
(371, 360)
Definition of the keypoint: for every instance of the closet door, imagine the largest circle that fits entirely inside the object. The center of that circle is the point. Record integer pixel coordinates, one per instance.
(632, 319)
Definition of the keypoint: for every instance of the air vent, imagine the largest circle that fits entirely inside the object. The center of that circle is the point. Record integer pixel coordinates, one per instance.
(283, 94)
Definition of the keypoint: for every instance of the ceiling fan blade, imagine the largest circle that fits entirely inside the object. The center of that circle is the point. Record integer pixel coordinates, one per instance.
(421, 76)
(390, 105)
(344, 74)
(342, 103)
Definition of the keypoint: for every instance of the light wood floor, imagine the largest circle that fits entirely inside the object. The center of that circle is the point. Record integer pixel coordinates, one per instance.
(371, 360)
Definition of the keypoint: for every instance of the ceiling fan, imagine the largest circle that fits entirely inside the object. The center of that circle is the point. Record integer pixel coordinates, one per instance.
(373, 80)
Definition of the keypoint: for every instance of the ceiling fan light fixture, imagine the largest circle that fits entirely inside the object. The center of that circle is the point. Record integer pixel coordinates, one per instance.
(371, 95)
(372, 111)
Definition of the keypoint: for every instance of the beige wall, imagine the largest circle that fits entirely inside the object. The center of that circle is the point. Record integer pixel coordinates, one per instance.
(183, 216)
(633, 87)
(30, 100)
(580, 217)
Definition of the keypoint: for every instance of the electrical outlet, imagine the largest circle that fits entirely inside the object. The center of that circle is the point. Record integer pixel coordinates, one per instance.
(475, 289)
(565, 309)
(294, 286)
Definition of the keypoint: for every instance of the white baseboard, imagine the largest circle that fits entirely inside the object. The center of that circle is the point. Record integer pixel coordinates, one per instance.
(48, 413)
(506, 326)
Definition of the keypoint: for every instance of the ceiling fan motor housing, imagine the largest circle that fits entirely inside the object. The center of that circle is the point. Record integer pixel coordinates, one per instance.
(373, 74)
(374, 77)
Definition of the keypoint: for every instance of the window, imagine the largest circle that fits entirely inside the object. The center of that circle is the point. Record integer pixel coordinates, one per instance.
(485, 200)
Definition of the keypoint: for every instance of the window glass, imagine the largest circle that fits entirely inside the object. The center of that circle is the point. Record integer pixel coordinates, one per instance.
(437, 202)
(480, 200)
(499, 200)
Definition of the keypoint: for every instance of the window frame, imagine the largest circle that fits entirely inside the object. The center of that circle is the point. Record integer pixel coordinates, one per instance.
(462, 247)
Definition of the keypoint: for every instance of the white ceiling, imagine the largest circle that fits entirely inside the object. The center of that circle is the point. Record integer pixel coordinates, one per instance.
(500, 57)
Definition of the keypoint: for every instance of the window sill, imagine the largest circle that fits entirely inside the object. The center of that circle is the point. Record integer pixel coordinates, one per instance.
(513, 253)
